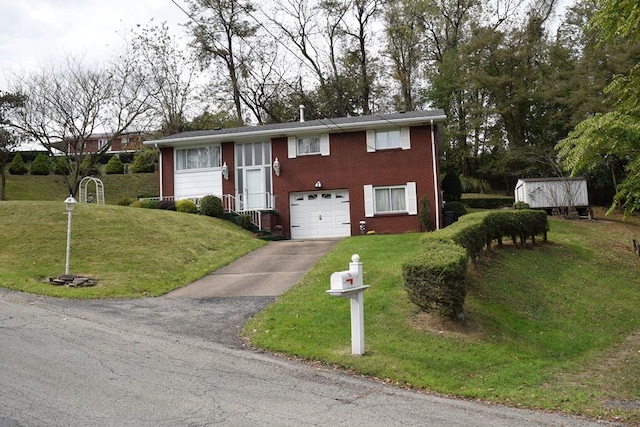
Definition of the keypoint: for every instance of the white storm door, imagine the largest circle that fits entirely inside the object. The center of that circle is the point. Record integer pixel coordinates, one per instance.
(254, 196)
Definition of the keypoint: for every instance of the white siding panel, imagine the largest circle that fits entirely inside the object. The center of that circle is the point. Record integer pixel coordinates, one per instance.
(292, 147)
(197, 183)
(405, 139)
(371, 141)
(368, 201)
(412, 199)
(325, 149)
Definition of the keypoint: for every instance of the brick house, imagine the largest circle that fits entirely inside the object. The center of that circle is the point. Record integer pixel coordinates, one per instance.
(125, 143)
(313, 179)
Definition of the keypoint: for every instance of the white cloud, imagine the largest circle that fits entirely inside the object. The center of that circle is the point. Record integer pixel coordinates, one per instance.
(39, 32)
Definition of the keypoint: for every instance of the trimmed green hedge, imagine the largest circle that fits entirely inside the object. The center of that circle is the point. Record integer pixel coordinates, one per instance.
(488, 202)
(435, 277)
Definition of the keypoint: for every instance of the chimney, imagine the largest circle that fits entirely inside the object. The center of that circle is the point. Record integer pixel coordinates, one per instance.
(301, 113)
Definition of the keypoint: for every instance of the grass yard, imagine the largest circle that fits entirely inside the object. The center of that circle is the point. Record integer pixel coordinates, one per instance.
(555, 327)
(132, 252)
(53, 187)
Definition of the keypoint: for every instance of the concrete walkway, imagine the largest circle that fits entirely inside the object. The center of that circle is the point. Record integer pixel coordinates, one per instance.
(265, 272)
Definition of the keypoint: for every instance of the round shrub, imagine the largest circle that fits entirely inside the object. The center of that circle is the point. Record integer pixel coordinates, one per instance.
(40, 165)
(17, 166)
(145, 161)
(150, 204)
(61, 166)
(114, 166)
(125, 201)
(168, 205)
(457, 207)
(89, 167)
(244, 221)
(186, 205)
(520, 205)
(211, 206)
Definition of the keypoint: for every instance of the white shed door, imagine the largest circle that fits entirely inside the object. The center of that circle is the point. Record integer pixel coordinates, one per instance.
(320, 214)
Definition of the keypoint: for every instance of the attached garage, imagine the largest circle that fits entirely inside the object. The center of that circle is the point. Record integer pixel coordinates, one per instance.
(320, 214)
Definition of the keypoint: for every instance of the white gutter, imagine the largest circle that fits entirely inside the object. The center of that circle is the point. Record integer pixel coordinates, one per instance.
(278, 132)
(160, 168)
(435, 177)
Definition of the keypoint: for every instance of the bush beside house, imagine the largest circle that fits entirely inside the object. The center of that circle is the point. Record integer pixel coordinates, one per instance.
(211, 206)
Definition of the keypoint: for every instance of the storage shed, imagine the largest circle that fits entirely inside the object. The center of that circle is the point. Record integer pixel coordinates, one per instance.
(563, 196)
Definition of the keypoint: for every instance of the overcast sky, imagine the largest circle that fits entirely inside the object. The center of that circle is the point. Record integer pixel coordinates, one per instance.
(35, 33)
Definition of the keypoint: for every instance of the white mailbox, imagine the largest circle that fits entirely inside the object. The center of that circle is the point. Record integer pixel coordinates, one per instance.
(345, 280)
(349, 284)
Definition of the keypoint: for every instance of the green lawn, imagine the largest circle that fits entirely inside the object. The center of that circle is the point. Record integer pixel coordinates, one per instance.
(553, 327)
(132, 252)
(53, 187)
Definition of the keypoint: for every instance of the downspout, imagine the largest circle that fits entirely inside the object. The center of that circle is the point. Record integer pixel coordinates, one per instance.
(435, 177)
(160, 166)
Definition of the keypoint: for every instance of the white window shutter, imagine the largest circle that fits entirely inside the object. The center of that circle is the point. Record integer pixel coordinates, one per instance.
(325, 150)
(371, 141)
(293, 142)
(412, 199)
(405, 139)
(368, 201)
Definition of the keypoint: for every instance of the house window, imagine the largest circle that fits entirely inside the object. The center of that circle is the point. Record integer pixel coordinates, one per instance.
(392, 199)
(308, 145)
(198, 158)
(102, 144)
(124, 141)
(387, 139)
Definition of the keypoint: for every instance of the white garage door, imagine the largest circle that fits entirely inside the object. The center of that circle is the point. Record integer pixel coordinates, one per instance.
(320, 214)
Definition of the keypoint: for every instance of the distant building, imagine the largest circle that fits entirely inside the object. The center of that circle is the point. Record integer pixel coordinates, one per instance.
(125, 143)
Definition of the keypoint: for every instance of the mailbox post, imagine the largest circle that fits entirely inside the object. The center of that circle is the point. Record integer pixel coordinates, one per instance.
(349, 284)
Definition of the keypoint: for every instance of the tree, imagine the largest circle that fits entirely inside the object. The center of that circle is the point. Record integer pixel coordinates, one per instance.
(404, 24)
(114, 166)
(65, 105)
(145, 161)
(318, 31)
(17, 166)
(222, 33)
(8, 138)
(615, 133)
(168, 74)
(40, 165)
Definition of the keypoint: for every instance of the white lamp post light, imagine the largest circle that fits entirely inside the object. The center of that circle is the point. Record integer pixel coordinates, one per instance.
(70, 204)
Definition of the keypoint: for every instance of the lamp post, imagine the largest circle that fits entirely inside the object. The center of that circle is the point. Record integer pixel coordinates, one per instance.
(70, 203)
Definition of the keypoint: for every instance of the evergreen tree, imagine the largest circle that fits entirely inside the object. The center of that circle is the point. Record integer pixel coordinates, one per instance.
(17, 166)
(114, 166)
(40, 165)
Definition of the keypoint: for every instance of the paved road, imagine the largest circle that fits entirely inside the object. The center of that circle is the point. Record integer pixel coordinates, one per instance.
(176, 361)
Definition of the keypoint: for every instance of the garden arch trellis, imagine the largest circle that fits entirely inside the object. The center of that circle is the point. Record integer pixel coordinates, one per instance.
(99, 190)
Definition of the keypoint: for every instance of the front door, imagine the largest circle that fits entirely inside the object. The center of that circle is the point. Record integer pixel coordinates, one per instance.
(254, 195)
